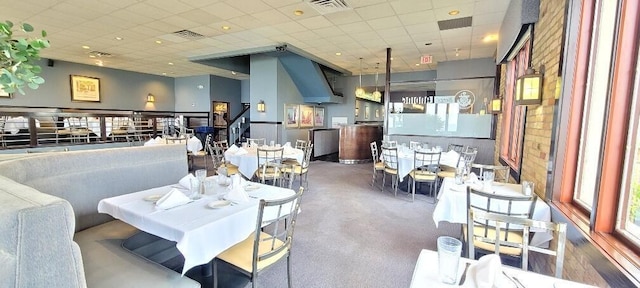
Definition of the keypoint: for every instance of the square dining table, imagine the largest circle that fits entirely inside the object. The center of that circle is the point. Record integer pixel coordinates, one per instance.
(452, 206)
(200, 232)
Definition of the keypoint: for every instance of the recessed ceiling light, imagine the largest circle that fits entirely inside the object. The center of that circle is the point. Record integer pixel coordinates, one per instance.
(298, 12)
(158, 42)
(233, 73)
(164, 73)
(391, 58)
(92, 56)
(170, 63)
(338, 53)
(85, 47)
(226, 27)
(490, 38)
(417, 64)
(118, 38)
(454, 12)
(99, 63)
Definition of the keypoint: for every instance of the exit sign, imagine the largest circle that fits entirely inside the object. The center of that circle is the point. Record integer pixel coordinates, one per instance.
(426, 59)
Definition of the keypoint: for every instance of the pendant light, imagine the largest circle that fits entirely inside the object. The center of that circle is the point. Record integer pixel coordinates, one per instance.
(360, 91)
(376, 94)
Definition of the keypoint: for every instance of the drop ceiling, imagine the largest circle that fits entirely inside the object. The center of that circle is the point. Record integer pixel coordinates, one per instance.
(148, 43)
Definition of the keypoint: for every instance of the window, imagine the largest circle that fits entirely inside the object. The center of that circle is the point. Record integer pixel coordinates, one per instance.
(601, 167)
(513, 116)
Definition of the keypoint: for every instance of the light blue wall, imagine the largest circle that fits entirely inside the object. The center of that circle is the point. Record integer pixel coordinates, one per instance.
(119, 89)
(192, 94)
(288, 93)
(245, 89)
(227, 90)
(264, 87)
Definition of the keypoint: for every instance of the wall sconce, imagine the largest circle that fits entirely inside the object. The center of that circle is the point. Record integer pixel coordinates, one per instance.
(151, 98)
(495, 106)
(261, 106)
(357, 111)
(529, 88)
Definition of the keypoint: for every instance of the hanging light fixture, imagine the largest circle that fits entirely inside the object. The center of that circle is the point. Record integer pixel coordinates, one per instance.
(376, 94)
(360, 91)
(529, 88)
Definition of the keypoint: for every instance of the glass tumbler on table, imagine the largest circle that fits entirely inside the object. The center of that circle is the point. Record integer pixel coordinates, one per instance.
(487, 180)
(449, 250)
(201, 174)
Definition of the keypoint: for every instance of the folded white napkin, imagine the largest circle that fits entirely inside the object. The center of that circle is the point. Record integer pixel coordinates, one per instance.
(473, 178)
(237, 193)
(172, 199)
(186, 181)
(158, 138)
(288, 144)
(452, 154)
(232, 149)
(241, 151)
(288, 150)
(485, 273)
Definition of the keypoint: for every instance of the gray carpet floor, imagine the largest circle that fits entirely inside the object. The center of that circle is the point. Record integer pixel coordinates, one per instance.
(351, 234)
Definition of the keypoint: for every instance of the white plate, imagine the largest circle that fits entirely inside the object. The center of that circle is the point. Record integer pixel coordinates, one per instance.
(153, 198)
(251, 187)
(218, 204)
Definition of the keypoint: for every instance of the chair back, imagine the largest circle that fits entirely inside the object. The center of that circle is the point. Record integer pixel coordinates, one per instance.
(256, 141)
(559, 230)
(374, 152)
(467, 158)
(501, 173)
(301, 144)
(307, 156)
(390, 157)
(456, 147)
(217, 155)
(426, 163)
(278, 217)
(414, 145)
(512, 206)
(390, 143)
(471, 149)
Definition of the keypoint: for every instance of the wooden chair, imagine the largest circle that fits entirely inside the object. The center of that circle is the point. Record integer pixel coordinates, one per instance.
(559, 230)
(262, 250)
(378, 166)
(426, 166)
(512, 206)
(501, 173)
(390, 159)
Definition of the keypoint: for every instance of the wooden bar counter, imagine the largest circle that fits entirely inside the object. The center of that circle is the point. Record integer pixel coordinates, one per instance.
(354, 142)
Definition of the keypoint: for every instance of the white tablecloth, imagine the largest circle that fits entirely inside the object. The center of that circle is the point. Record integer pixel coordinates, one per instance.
(406, 159)
(201, 232)
(193, 144)
(425, 274)
(248, 163)
(452, 206)
(14, 124)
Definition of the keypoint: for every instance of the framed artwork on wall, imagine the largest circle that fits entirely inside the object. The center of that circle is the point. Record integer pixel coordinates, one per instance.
(85, 88)
(291, 116)
(306, 116)
(318, 118)
(4, 94)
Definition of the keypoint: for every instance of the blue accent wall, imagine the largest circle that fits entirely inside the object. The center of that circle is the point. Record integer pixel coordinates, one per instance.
(119, 89)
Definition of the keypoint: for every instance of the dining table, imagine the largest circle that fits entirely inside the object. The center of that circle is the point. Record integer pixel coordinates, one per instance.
(246, 158)
(406, 159)
(202, 228)
(193, 143)
(452, 205)
(425, 274)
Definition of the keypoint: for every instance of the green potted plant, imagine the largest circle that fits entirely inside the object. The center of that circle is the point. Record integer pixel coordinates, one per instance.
(18, 58)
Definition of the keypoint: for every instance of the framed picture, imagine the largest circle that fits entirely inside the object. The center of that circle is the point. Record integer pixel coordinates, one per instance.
(318, 118)
(291, 116)
(306, 116)
(85, 88)
(4, 94)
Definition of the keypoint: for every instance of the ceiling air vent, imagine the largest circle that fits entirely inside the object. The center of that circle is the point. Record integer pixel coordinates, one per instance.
(98, 54)
(187, 34)
(455, 23)
(329, 6)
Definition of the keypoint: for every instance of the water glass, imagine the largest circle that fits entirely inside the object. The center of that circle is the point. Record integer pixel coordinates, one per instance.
(449, 250)
(527, 188)
(487, 179)
(272, 143)
(194, 191)
(460, 175)
(201, 174)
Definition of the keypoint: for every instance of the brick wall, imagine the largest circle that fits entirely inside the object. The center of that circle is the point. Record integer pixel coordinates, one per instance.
(547, 45)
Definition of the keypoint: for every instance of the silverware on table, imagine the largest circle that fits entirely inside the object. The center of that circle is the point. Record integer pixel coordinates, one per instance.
(464, 274)
(514, 280)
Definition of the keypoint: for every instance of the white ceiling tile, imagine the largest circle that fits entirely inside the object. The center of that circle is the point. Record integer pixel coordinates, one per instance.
(453, 3)
(327, 32)
(384, 23)
(169, 5)
(422, 28)
(466, 10)
(249, 7)
(375, 11)
(405, 7)
(290, 27)
(344, 17)
(271, 17)
(223, 11)
(355, 28)
(316, 22)
(280, 3)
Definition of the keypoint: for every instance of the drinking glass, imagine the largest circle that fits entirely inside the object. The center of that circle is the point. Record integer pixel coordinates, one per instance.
(201, 174)
(460, 175)
(272, 143)
(194, 191)
(487, 179)
(449, 250)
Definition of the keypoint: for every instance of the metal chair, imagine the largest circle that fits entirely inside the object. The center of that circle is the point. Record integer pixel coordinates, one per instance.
(269, 163)
(456, 147)
(390, 159)
(512, 206)
(218, 160)
(263, 249)
(499, 221)
(301, 144)
(378, 166)
(414, 145)
(501, 173)
(426, 166)
(466, 159)
(224, 144)
(302, 169)
(390, 143)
